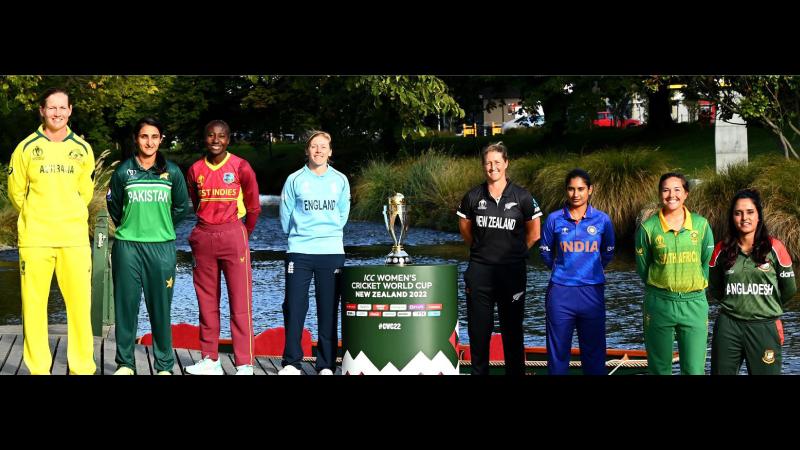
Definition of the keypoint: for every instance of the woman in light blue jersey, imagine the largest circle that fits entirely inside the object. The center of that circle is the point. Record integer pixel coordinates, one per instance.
(315, 203)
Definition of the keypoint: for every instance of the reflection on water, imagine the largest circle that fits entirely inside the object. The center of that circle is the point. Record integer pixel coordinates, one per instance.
(367, 243)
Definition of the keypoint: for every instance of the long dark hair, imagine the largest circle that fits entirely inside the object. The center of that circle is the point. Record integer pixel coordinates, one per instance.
(761, 242)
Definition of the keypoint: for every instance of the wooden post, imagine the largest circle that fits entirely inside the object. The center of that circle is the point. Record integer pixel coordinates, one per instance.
(102, 287)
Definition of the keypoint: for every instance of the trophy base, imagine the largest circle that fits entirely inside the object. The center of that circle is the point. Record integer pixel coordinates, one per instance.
(400, 258)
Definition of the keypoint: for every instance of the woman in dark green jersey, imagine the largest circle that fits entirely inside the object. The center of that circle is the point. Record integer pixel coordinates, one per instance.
(146, 200)
(673, 249)
(752, 277)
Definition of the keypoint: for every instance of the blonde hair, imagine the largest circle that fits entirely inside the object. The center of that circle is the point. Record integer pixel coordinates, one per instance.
(314, 133)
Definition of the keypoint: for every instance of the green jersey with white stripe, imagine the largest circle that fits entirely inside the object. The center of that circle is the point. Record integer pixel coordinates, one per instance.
(147, 204)
(674, 260)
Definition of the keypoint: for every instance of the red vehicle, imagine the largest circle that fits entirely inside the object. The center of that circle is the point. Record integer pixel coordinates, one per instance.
(607, 119)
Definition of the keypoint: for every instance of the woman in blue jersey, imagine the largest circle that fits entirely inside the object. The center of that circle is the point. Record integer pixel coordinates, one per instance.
(315, 203)
(577, 244)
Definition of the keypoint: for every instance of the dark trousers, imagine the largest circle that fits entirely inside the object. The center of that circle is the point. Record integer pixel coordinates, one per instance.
(149, 268)
(757, 342)
(503, 285)
(576, 307)
(299, 268)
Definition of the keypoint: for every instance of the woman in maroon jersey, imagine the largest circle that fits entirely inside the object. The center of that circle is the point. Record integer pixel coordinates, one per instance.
(223, 190)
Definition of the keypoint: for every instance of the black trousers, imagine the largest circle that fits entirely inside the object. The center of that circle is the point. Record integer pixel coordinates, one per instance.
(503, 285)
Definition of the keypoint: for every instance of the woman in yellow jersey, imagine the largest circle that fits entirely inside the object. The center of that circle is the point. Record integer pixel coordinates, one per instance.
(673, 249)
(50, 183)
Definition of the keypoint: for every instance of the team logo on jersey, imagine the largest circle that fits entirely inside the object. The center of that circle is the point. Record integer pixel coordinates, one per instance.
(591, 229)
(75, 154)
(228, 177)
(200, 180)
(640, 251)
(170, 282)
(564, 230)
(164, 176)
(517, 296)
(660, 242)
(769, 356)
(510, 205)
(131, 172)
(482, 204)
(37, 153)
(766, 267)
(694, 235)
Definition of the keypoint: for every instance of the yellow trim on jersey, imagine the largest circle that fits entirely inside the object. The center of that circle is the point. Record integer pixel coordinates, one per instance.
(687, 220)
(216, 167)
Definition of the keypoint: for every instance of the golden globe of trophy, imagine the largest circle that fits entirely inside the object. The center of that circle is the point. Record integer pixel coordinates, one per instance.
(394, 211)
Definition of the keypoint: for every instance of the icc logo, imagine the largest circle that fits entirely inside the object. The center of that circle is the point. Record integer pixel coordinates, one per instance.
(38, 153)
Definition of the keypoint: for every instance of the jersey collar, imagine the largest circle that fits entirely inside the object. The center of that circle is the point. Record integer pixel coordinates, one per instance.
(687, 220)
(40, 132)
(588, 214)
(217, 166)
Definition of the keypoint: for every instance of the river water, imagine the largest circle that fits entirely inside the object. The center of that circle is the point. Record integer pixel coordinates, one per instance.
(366, 243)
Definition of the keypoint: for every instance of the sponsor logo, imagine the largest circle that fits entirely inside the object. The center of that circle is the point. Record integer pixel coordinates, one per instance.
(729, 272)
(290, 269)
(482, 204)
(564, 230)
(434, 313)
(75, 154)
(786, 274)
(200, 180)
(380, 307)
(37, 153)
(509, 206)
(544, 248)
(416, 307)
(337, 271)
(591, 229)
(660, 242)
(419, 313)
(434, 306)
(364, 307)
(693, 235)
(610, 249)
(361, 313)
(769, 356)
(389, 314)
(398, 307)
(517, 296)
(241, 259)
(164, 176)
(170, 282)
(131, 172)
(404, 314)
(374, 314)
(350, 306)
(765, 267)
(351, 313)
(228, 177)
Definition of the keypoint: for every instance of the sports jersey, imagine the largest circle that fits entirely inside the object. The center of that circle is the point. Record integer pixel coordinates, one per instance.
(147, 204)
(676, 261)
(750, 291)
(577, 251)
(50, 183)
(314, 210)
(498, 226)
(224, 192)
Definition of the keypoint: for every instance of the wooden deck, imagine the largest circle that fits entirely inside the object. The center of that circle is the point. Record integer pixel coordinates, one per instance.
(105, 350)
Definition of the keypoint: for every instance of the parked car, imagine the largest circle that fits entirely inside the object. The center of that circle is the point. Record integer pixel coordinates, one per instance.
(607, 119)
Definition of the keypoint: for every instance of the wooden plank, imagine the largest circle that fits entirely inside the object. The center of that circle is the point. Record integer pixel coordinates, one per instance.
(58, 345)
(142, 364)
(257, 369)
(268, 366)
(338, 370)
(109, 356)
(307, 368)
(227, 364)
(184, 360)
(6, 341)
(196, 355)
(98, 355)
(12, 358)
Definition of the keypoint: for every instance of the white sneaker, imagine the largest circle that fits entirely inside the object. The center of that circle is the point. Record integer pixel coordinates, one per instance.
(206, 367)
(244, 370)
(124, 371)
(325, 372)
(289, 370)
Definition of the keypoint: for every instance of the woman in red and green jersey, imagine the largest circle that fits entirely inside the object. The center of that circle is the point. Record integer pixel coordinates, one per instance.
(673, 249)
(224, 190)
(752, 277)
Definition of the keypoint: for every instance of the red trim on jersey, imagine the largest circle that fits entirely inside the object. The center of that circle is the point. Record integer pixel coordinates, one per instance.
(779, 326)
(715, 255)
(780, 252)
